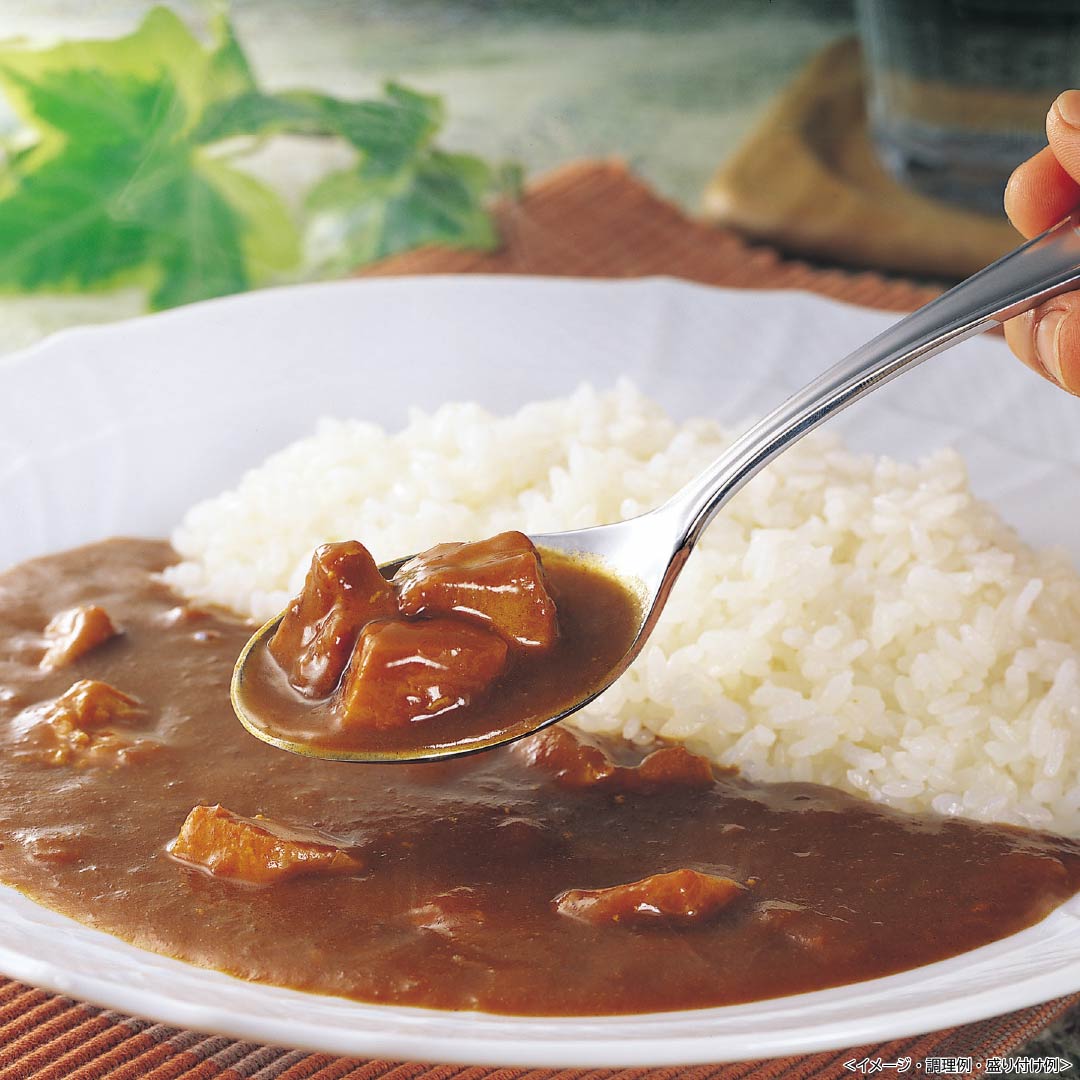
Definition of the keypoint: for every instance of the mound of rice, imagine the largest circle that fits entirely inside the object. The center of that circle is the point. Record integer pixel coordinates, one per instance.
(848, 620)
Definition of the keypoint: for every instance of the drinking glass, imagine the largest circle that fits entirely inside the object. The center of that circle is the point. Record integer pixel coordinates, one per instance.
(957, 90)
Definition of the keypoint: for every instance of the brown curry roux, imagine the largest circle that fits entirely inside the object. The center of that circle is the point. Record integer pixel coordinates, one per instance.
(478, 883)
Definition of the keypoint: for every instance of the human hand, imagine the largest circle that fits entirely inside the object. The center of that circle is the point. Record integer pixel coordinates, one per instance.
(1039, 194)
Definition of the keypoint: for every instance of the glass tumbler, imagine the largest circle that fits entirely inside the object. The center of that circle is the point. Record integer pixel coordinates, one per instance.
(957, 90)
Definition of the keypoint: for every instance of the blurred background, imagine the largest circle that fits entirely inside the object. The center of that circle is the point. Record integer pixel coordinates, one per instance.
(160, 154)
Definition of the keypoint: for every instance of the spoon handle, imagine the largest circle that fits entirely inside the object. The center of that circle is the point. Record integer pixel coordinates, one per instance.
(1036, 271)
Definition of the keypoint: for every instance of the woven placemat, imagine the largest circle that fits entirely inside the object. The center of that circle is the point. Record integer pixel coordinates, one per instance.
(587, 220)
(47, 1037)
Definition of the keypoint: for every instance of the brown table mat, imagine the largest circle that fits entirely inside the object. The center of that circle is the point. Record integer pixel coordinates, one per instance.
(46, 1037)
(592, 219)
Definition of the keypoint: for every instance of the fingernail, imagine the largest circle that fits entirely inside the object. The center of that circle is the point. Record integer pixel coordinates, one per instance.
(1068, 107)
(1048, 343)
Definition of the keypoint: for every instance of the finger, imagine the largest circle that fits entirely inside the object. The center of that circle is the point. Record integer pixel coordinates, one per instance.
(1063, 132)
(1040, 193)
(1048, 340)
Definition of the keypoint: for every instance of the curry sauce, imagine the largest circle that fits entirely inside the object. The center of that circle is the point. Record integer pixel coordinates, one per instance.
(551, 877)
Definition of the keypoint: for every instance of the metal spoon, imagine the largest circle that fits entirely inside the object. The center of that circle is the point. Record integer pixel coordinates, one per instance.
(648, 552)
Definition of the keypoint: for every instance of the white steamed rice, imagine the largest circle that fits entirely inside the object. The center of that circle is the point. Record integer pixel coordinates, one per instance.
(848, 620)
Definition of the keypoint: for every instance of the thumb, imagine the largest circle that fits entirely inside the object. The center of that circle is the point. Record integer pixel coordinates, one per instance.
(1048, 340)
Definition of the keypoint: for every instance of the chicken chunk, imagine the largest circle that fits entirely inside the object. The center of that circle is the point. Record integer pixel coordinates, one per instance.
(89, 705)
(806, 929)
(257, 850)
(577, 764)
(343, 591)
(670, 767)
(573, 763)
(78, 727)
(683, 897)
(406, 671)
(74, 632)
(497, 583)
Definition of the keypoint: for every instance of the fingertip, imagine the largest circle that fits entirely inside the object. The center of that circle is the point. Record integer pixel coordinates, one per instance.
(1015, 198)
(1039, 193)
(1067, 107)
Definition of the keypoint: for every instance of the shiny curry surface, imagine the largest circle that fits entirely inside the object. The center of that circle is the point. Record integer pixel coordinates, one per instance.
(549, 877)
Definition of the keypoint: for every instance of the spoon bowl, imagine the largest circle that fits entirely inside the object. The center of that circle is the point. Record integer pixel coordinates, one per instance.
(647, 553)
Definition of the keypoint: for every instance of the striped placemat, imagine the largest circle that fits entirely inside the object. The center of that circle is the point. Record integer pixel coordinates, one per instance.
(47, 1037)
(592, 219)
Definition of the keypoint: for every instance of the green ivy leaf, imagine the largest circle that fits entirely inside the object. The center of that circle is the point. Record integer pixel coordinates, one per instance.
(117, 188)
(389, 131)
(403, 192)
(126, 180)
(161, 46)
(438, 199)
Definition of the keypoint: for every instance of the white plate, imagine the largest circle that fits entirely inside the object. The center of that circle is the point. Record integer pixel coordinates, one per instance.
(118, 429)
